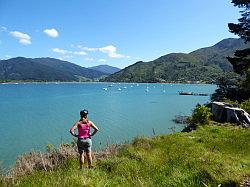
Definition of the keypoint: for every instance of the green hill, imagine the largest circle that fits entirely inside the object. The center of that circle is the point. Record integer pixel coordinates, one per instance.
(106, 69)
(206, 64)
(44, 69)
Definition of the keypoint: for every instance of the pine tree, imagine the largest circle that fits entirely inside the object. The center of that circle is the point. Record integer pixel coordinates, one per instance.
(242, 28)
(241, 59)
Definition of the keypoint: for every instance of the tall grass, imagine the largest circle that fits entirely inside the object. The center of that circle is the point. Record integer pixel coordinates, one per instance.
(210, 156)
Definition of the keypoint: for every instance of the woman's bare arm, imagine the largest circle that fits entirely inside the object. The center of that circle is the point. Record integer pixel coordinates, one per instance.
(72, 129)
(94, 127)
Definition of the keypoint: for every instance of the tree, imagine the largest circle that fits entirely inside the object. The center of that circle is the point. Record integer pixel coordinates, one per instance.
(241, 59)
(242, 28)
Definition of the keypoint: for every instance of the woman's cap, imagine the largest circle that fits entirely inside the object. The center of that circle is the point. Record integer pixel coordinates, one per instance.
(84, 112)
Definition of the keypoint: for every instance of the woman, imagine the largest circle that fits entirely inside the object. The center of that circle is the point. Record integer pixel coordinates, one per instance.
(84, 142)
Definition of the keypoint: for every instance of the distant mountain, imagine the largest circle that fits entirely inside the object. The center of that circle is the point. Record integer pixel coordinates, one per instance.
(45, 69)
(105, 69)
(205, 64)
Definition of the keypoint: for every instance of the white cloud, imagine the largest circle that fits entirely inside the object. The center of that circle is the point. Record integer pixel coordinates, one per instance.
(79, 53)
(102, 60)
(23, 38)
(89, 49)
(68, 56)
(115, 55)
(7, 56)
(79, 46)
(51, 32)
(111, 51)
(89, 59)
(3, 29)
(57, 50)
(69, 53)
(108, 49)
(84, 48)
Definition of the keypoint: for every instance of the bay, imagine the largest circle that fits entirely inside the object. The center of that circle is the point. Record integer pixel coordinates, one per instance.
(33, 115)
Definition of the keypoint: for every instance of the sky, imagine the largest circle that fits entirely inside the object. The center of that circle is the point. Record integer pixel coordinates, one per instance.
(113, 32)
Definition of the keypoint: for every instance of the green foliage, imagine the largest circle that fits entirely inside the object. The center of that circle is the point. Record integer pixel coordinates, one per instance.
(201, 115)
(3, 172)
(229, 89)
(65, 145)
(210, 156)
(241, 58)
(242, 28)
(246, 105)
(49, 148)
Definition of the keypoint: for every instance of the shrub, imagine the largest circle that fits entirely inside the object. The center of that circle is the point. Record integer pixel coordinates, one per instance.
(246, 105)
(201, 115)
(49, 148)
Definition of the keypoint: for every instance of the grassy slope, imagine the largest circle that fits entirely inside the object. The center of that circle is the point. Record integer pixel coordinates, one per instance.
(210, 156)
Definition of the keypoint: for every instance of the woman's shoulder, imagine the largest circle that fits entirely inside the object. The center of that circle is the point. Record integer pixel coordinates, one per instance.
(79, 123)
(90, 122)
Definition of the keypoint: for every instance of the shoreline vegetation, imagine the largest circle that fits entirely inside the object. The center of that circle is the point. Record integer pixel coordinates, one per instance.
(213, 155)
(50, 82)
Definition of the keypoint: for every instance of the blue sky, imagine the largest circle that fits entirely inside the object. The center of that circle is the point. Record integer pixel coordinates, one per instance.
(113, 32)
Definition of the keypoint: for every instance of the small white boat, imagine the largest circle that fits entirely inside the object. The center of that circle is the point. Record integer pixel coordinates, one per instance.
(125, 87)
(119, 89)
(105, 89)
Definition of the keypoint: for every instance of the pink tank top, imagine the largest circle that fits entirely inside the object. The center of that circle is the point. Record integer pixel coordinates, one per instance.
(83, 131)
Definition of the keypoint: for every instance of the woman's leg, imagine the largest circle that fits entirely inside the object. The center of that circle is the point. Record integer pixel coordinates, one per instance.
(81, 160)
(89, 157)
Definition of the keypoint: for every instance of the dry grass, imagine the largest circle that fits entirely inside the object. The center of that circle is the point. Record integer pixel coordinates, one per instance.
(47, 161)
(53, 158)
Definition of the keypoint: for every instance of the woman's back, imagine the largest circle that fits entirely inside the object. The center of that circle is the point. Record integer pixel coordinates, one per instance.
(83, 130)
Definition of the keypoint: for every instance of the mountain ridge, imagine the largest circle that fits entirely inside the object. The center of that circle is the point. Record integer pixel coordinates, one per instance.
(205, 64)
(45, 69)
(105, 69)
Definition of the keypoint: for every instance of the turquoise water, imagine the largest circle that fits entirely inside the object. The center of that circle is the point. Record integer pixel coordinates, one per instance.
(34, 115)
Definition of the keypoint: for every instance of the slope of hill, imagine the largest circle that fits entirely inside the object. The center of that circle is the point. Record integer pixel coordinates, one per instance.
(206, 64)
(44, 69)
(210, 156)
(105, 69)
